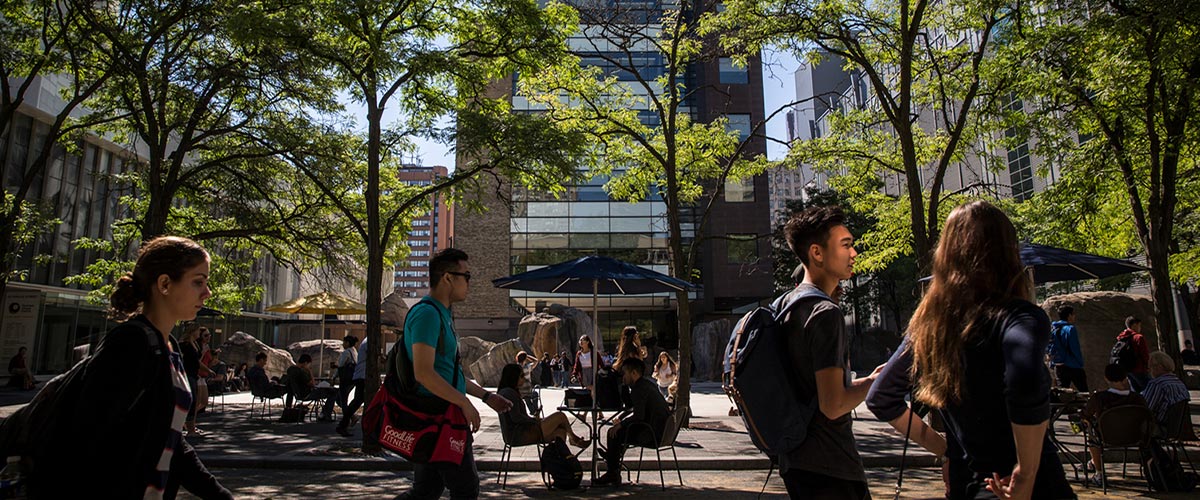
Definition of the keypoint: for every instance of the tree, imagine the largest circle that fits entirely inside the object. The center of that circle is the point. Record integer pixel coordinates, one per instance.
(428, 58)
(1118, 85)
(205, 96)
(639, 119)
(40, 39)
(934, 74)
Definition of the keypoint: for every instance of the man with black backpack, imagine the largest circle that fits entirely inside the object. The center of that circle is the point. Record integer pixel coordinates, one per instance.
(1132, 353)
(432, 347)
(826, 464)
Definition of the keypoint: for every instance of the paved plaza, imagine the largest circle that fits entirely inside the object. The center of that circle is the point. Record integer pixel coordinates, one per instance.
(269, 459)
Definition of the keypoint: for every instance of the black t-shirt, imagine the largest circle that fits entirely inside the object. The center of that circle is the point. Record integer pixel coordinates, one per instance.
(817, 340)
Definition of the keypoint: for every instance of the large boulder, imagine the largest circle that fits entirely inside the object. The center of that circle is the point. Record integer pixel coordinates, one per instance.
(470, 349)
(708, 347)
(393, 310)
(540, 332)
(486, 370)
(241, 348)
(1100, 316)
(576, 323)
(332, 349)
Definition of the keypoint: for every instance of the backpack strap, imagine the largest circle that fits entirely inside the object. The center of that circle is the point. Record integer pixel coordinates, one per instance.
(393, 364)
(784, 304)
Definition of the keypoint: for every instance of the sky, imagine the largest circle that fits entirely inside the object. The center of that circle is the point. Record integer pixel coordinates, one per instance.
(778, 90)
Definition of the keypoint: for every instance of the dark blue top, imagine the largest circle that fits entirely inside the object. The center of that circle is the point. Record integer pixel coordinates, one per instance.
(1005, 382)
(1066, 340)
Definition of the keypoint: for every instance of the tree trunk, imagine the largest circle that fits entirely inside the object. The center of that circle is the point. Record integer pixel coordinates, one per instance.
(157, 212)
(374, 257)
(1164, 302)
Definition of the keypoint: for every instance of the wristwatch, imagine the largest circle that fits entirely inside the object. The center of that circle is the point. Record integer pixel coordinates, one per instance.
(486, 396)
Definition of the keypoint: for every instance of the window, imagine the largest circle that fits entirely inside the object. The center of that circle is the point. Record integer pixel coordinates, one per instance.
(731, 74)
(739, 190)
(741, 249)
(419, 232)
(741, 124)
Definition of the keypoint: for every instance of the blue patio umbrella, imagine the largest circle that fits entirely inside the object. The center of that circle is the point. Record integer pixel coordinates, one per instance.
(594, 274)
(1049, 264)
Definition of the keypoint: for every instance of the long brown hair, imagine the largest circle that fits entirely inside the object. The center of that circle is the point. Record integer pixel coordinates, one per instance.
(630, 347)
(976, 270)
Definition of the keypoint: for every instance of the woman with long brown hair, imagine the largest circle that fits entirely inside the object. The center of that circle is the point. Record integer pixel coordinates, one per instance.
(974, 352)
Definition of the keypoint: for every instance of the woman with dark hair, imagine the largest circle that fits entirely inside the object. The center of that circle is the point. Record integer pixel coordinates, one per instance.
(519, 428)
(585, 359)
(974, 353)
(123, 435)
(630, 348)
(191, 347)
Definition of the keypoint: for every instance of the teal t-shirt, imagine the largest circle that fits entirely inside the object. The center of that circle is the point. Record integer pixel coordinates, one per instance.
(423, 326)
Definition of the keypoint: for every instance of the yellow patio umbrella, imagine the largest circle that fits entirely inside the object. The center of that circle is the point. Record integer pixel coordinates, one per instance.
(320, 303)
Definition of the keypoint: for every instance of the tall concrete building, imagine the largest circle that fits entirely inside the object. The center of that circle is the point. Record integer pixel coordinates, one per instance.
(819, 86)
(536, 229)
(430, 233)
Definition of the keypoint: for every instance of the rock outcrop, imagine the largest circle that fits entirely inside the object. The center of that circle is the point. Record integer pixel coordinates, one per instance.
(241, 348)
(1099, 317)
(486, 370)
(708, 347)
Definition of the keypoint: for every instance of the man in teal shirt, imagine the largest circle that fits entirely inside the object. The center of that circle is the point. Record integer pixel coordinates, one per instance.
(427, 323)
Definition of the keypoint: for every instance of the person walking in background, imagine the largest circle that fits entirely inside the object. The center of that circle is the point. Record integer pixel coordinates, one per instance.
(974, 353)
(1133, 353)
(1066, 354)
(665, 372)
(556, 370)
(586, 360)
(123, 436)
(358, 381)
(346, 364)
(191, 350)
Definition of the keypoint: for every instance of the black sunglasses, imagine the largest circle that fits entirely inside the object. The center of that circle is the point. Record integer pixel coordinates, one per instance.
(466, 276)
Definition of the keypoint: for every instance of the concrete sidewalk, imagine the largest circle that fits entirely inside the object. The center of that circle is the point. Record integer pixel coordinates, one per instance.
(715, 440)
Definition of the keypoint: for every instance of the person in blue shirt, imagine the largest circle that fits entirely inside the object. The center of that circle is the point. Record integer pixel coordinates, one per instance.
(432, 345)
(1066, 354)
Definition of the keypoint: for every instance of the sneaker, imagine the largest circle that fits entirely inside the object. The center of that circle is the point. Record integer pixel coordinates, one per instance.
(345, 432)
(324, 418)
(1095, 481)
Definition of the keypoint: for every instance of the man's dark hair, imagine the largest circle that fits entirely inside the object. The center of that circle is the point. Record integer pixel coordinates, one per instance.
(635, 366)
(1115, 373)
(1065, 312)
(304, 358)
(1132, 320)
(352, 340)
(811, 227)
(260, 356)
(443, 262)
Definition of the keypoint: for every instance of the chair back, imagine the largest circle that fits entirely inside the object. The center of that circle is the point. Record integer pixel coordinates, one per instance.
(1128, 425)
(1178, 424)
(506, 428)
(670, 432)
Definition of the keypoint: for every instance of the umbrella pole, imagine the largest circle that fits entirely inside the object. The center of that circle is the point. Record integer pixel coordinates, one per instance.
(594, 353)
(1032, 285)
(321, 352)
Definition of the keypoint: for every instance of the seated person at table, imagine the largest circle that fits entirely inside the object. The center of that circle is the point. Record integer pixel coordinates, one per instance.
(649, 407)
(303, 387)
(260, 385)
(1165, 389)
(1118, 394)
(523, 429)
